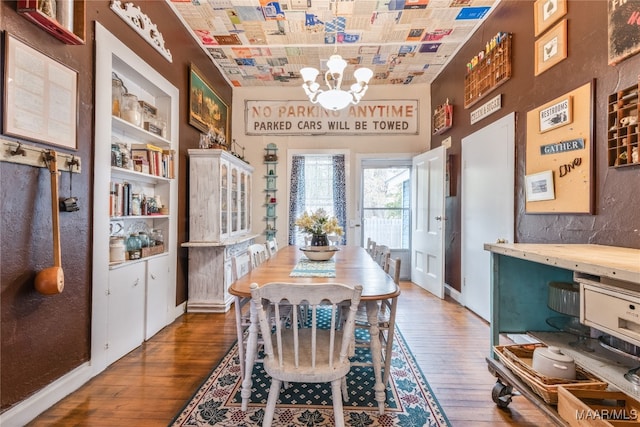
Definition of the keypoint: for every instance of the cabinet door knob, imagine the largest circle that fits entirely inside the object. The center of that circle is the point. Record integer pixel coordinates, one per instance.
(136, 282)
(153, 276)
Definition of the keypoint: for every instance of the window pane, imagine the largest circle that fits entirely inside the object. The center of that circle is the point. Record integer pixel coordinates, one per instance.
(319, 183)
(386, 212)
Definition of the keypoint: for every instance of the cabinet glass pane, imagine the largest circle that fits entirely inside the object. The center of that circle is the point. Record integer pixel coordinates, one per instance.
(248, 191)
(243, 202)
(234, 200)
(224, 221)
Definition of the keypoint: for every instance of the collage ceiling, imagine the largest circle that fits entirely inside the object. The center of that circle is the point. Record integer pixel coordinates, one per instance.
(266, 43)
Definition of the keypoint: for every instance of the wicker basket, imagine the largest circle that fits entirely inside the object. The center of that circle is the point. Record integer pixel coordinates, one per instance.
(518, 359)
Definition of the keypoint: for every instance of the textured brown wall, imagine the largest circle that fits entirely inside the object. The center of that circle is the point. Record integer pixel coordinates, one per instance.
(45, 337)
(616, 220)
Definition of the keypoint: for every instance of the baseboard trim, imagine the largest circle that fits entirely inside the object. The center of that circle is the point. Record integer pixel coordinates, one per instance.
(28, 409)
(453, 293)
(179, 310)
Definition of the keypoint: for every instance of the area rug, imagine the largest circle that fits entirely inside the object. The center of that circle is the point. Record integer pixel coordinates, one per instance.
(410, 400)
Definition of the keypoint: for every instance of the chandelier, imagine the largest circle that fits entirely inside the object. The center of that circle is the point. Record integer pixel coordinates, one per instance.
(335, 98)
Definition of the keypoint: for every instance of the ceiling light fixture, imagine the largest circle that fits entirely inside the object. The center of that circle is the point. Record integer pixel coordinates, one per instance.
(335, 98)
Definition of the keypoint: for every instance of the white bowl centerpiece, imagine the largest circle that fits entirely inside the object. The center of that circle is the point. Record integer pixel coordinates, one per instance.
(319, 253)
(319, 224)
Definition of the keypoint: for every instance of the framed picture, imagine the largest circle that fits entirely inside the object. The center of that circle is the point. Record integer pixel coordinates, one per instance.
(540, 186)
(207, 112)
(551, 48)
(547, 13)
(623, 40)
(40, 96)
(556, 115)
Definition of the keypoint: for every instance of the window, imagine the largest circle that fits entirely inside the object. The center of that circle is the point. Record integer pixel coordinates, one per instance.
(317, 181)
(386, 204)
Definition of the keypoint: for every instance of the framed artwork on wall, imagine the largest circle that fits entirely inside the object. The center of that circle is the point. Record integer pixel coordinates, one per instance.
(556, 115)
(40, 96)
(623, 30)
(546, 13)
(551, 48)
(540, 186)
(207, 111)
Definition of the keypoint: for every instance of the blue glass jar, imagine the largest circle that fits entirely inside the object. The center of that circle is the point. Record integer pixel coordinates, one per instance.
(134, 246)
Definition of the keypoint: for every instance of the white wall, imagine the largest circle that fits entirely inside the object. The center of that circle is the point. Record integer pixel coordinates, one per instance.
(357, 144)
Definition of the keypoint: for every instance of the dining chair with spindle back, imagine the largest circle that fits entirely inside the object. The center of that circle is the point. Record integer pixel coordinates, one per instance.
(307, 354)
(258, 252)
(386, 323)
(240, 265)
(272, 246)
(381, 255)
(371, 246)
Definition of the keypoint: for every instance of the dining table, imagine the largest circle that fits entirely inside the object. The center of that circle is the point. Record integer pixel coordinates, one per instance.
(353, 266)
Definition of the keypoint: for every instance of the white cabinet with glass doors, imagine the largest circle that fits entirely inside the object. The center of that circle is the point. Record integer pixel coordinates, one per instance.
(219, 225)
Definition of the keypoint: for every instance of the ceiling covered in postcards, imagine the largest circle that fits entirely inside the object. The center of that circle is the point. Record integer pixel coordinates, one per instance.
(266, 43)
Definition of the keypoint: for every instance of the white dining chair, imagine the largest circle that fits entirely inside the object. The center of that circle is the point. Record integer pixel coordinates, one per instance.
(333, 239)
(381, 255)
(258, 253)
(307, 354)
(386, 323)
(272, 246)
(241, 264)
(371, 246)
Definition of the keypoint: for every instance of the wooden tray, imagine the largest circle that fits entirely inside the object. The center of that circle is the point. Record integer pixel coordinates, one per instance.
(597, 408)
(517, 358)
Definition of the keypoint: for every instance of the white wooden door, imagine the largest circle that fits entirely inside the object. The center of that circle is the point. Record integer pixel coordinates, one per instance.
(427, 237)
(488, 159)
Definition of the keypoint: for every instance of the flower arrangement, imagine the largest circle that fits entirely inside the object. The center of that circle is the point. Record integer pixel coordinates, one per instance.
(319, 223)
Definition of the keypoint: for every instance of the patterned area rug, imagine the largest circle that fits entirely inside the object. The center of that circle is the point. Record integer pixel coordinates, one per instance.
(410, 401)
(308, 268)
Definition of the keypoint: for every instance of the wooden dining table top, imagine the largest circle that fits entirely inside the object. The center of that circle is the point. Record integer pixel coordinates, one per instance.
(354, 266)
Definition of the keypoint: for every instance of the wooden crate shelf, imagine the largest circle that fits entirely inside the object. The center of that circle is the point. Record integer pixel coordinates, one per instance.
(622, 134)
(489, 73)
(442, 118)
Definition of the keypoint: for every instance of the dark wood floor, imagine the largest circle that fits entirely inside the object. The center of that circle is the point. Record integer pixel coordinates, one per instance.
(151, 384)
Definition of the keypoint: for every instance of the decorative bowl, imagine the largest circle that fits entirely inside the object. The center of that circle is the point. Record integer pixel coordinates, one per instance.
(319, 253)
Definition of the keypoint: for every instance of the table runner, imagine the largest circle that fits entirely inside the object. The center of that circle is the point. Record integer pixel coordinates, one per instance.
(307, 268)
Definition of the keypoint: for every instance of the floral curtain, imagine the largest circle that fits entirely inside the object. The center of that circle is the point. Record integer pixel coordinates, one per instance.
(296, 199)
(339, 194)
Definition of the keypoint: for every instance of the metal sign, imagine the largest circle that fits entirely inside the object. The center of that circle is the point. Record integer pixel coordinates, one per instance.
(388, 116)
(486, 109)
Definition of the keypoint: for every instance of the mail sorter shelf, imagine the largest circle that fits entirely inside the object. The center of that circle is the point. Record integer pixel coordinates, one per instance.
(489, 73)
(622, 128)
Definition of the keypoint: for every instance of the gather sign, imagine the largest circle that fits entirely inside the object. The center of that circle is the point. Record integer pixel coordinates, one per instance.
(389, 116)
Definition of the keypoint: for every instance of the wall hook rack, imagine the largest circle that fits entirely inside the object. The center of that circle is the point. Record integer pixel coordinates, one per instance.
(17, 152)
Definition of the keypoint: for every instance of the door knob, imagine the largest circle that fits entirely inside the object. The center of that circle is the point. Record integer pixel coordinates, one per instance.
(441, 218)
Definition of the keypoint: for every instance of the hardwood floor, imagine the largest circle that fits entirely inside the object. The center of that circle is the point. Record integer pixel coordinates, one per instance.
(151, 384)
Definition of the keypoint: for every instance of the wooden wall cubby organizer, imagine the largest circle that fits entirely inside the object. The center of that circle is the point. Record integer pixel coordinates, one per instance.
(622, 132)
(442, 118)
(491, 71)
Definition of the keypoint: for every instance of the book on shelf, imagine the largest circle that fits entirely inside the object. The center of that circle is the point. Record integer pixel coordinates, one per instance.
(120, 196)
(153, 160)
